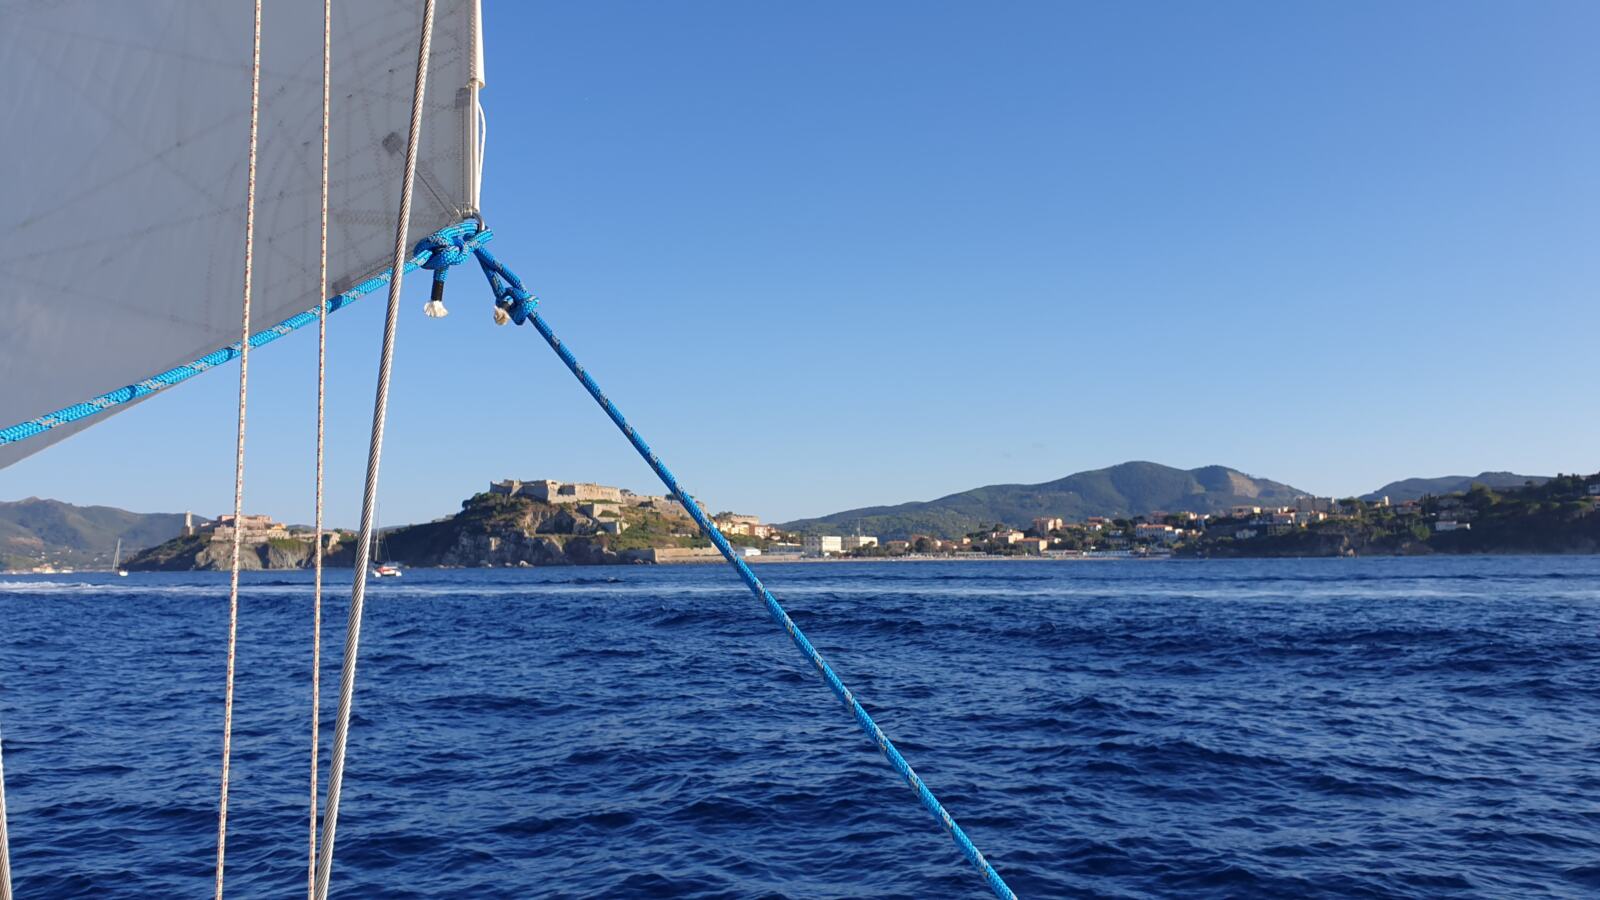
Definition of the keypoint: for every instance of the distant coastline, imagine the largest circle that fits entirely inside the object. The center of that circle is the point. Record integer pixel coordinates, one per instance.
(550, 523)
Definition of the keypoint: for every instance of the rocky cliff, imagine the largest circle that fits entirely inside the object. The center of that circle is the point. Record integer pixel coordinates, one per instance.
(446, 544)
(491, 530)
(183, 554)
(496, 530)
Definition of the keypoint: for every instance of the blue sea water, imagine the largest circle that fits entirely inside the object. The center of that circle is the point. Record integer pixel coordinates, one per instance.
(1271, 728)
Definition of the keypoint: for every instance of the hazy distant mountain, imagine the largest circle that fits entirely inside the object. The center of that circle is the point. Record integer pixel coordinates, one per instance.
(1415, 488)
(1129, 489)
(76, 535)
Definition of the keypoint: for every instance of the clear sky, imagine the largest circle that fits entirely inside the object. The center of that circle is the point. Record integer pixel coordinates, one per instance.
(834, 254)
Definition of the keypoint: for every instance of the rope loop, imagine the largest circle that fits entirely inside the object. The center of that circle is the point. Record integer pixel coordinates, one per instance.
(445, 249)
(450, 247)
(512, 301)
(516, 302)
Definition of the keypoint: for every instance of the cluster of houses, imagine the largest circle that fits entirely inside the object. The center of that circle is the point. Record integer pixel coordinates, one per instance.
(1255, 521)
(1152, 533)
(749, 526)
(255, 529)
(1446, 514)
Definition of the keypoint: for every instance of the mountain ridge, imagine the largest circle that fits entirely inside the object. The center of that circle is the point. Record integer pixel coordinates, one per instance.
(1417, 488)
(36, 530)
(1127, 489)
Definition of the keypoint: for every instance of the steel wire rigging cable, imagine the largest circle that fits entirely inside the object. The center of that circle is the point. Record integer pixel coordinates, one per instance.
(322, 396)
(238, 466)
(5, 849)
(347, 674)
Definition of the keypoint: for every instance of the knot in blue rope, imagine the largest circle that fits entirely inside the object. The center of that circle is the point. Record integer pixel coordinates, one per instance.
(445, 249)
(450, 247)
(512, 301)
(518, 303)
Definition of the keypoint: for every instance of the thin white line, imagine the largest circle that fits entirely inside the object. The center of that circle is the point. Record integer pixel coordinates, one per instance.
(380, 406)
(322, 393)
(238, 467)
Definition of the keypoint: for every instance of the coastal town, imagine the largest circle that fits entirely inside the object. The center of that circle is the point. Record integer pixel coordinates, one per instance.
(1555, 515)
(535, 522)
(1239, 530)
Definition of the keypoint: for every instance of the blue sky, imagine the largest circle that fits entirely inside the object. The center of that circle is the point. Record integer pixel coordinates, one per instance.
(834, 254)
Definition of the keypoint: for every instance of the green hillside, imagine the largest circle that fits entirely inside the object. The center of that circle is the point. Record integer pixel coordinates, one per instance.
(1132, 488)
(1417, 488)
(34, 531)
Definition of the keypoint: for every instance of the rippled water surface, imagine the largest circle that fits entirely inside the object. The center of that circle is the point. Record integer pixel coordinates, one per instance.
(1395, 728)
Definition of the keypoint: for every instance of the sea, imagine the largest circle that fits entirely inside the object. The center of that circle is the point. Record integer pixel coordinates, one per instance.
(1421, 727)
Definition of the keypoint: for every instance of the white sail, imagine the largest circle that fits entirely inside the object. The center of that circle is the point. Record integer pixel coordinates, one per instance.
(126, 127)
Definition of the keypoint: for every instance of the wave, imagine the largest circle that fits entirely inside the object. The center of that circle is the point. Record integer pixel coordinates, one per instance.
(1118, 730)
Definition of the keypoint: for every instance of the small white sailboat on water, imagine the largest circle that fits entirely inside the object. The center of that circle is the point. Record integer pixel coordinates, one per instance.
(116, 561)
(383, 569)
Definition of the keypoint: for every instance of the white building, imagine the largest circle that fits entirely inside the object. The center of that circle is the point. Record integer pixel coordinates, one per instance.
(823, 544)
(1165, 534)
(857, 541)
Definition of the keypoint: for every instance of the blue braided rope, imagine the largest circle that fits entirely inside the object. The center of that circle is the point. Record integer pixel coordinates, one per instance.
(873, 732)
(466, 234)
